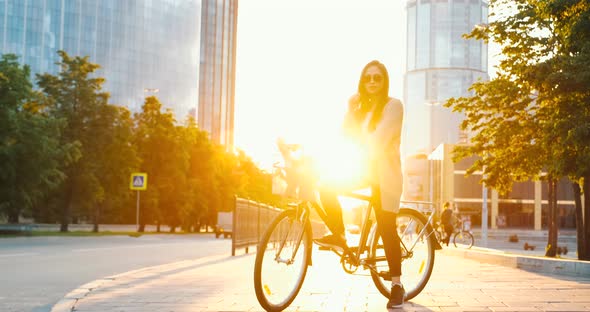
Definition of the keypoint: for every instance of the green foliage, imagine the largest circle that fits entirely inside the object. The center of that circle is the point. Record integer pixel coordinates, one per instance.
(76, 96)
(30, 154)
(66, 153)
(114, 158)
(535, 115)
(158, 148)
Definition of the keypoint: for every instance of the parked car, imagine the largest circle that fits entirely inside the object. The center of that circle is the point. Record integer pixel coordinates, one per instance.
(224, 224)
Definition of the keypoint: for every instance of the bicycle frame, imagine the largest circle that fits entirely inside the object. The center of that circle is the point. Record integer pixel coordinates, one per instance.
(303, 214)
(366, 233)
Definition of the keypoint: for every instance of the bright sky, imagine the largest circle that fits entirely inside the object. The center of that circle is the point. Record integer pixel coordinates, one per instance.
(298, 62)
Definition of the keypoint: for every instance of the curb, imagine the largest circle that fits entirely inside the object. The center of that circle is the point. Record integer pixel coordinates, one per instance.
(68, 302)
(529, 263)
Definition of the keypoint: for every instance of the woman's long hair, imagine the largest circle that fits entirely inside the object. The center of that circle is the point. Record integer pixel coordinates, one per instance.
(382, 96)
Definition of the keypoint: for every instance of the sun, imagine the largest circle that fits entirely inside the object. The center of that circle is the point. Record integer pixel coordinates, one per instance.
(341, 163)
(331, 160)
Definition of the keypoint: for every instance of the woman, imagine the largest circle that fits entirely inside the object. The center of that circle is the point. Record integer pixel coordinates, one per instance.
(375, 120)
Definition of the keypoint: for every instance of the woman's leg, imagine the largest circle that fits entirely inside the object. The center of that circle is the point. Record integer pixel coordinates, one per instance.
(333, 211)
(386, 225)
(449, 231)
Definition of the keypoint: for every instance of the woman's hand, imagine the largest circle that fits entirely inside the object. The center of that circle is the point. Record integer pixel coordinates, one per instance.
(354, 103)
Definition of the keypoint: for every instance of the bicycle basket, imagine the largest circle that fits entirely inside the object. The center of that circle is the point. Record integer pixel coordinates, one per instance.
(279, 183)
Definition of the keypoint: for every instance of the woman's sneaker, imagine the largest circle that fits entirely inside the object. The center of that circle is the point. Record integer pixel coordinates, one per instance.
(396, 299)
(332, 241)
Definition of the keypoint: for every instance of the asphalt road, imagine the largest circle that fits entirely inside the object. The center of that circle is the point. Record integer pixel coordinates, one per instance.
(36, 272)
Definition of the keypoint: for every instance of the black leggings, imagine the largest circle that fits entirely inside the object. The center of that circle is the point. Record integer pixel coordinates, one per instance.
(386, 225)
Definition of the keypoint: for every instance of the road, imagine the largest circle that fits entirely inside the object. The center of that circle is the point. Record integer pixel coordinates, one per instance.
(36, 272)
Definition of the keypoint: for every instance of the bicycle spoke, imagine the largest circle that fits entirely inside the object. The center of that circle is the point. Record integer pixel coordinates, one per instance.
(281, 262)
(417, 255)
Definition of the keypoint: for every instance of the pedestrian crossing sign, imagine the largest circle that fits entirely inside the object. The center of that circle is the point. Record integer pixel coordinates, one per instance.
(138, 181)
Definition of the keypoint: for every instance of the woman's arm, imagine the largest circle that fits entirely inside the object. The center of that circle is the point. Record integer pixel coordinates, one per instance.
(352, 121)
(389, 128)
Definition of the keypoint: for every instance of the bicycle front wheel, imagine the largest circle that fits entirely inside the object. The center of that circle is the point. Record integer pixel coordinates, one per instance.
(463, 239)
(281, 263)
(417, 254)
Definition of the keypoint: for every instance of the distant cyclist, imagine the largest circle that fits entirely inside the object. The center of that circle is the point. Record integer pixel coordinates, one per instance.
(447, 221)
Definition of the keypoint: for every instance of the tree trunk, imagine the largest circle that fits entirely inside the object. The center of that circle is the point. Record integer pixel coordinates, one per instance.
(582, 252)
(96, 218)
(141, 228)
(586, 187)
(158, 227)
(67, 208)
(13, 214)
(551, 249)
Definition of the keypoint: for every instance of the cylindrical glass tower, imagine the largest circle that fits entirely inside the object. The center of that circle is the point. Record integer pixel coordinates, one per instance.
(440, 64)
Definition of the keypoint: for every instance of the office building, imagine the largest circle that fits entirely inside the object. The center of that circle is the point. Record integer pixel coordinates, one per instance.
(156, 47)
(440, 64)
(217, 69)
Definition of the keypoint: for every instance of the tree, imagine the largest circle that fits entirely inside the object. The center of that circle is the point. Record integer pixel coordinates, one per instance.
(75, 95)
(202, 175)
(30, 153)
(534, 116)
(256, 183)
(114, 158)
(157, 148)
(199, 177)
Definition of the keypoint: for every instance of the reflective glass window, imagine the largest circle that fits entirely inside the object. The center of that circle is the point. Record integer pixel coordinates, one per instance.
(423, 33)
(411, 37)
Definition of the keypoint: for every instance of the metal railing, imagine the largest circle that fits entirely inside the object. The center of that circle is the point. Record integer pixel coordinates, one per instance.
(248, 223)
(250, 220)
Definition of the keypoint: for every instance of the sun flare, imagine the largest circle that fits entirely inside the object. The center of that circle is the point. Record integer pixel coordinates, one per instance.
(340, 163)
(335, 161)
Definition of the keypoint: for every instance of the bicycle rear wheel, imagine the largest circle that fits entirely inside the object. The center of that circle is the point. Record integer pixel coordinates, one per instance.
(463, 239)
(281, 263)
(417, 254)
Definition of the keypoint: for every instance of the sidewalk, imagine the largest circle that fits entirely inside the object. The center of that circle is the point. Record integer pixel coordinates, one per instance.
(226, 284)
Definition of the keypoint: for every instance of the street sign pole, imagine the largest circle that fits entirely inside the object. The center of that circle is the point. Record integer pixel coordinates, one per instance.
(484, 217)
(138, 183)
(137, 213)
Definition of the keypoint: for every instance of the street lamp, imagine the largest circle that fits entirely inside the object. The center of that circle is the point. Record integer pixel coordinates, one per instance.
(431, 160)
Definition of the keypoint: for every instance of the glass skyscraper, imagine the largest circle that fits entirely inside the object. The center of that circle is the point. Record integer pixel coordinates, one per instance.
(218, 55)
(140, 45)
(440, 65)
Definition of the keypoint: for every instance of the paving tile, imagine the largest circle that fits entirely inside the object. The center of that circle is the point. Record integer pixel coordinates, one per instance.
(457, 284)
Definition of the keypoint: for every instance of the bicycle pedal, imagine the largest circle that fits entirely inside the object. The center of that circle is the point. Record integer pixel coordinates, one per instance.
(331, 248)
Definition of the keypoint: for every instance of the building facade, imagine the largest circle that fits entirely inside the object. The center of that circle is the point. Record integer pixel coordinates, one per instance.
(217, 70)
(142, 46)
(440, 64)
(525, 206)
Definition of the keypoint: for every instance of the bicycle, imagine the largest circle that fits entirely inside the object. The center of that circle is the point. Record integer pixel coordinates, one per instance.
(462, 238)
(285, 252)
